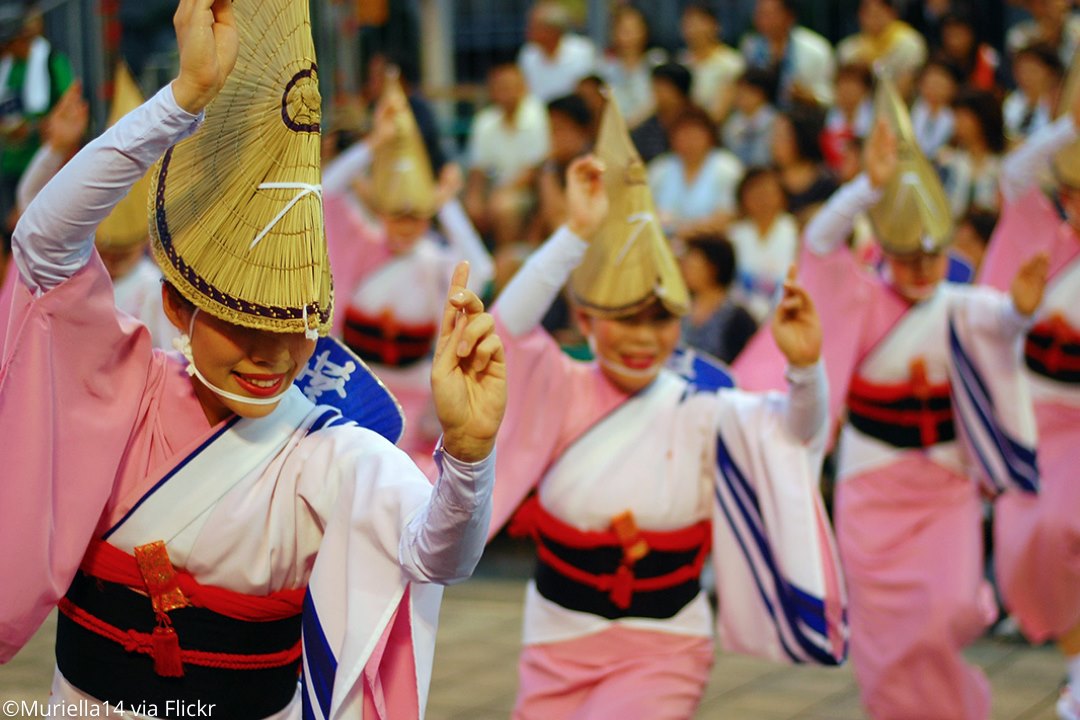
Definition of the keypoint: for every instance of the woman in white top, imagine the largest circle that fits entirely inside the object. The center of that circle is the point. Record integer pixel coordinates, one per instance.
(715, 65)
(694, 185)
(627, 67)
(766, 240)
(971, 171)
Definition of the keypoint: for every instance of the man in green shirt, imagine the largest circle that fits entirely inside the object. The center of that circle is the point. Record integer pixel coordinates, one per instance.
(32, 78)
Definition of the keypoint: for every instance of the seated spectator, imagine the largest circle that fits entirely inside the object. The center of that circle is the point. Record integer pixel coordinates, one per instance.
(671, 88)
(1038, 73)
(33, 78)
(798, 153)
(627, 67)
(972, 237)
(978, 61)
(885, 43)
(852, 117)
(766, 240)
(553, 59)
(1053, 23)
(572, 135)
(972, 170)
(714, 65)
(507, 142)
(716, 324)
(748, 130)
(932, 115)
(694, 185)
(802, 58)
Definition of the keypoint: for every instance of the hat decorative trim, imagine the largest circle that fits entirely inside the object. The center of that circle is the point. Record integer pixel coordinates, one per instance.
(291, 106)
(304, 188)
(640, 221)
(226, 307)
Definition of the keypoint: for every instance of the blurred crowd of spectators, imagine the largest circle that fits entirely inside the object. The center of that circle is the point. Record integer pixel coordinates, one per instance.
(744, 143)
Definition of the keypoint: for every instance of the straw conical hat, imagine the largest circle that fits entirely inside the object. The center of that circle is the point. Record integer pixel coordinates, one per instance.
(913, 214)
(1067, 160)
(401, 173)
(127, 225)
(237, 208)
(629, 263)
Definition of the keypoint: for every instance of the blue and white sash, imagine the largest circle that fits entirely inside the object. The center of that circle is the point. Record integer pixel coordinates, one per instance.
(993, 407)
(704, 372)
(779, 583)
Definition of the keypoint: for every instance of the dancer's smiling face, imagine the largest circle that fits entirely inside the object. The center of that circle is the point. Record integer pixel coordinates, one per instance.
(631, 350)
(240, 360)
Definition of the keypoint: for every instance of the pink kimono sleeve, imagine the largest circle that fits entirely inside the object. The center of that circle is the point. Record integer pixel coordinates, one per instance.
(71, 383)
(552, 400)
(1028, 225)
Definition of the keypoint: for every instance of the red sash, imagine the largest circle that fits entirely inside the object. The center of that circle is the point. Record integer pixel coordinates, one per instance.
(534, 521)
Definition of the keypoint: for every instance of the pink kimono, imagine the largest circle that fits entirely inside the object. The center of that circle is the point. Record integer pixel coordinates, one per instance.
(1037, 538)
(106, 440)
(922, 389)
(684, 465)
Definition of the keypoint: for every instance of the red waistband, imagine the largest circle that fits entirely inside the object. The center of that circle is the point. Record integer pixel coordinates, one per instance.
(872, 402)
(389, 326)
(109, 563)
(918, 387)
(163, 647)
(385, 339)
(533, 520)
(1063, 352)
(150, 571)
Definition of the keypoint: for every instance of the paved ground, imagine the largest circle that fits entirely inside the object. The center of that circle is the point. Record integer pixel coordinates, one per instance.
(475, 676)
(475, 673)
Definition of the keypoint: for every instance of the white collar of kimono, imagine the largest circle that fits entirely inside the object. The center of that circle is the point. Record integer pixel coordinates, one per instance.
(183, 344)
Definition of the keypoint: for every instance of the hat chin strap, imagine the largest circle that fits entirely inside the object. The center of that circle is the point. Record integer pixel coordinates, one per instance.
(183, 344)
(618, 367)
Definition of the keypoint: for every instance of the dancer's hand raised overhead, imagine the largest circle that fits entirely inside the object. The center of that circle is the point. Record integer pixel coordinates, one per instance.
(468, 376)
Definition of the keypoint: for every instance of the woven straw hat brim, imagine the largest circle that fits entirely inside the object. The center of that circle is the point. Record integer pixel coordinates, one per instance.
(127, 225)
(629, 263)
(236, 208)
(401, 173)
(914, 214)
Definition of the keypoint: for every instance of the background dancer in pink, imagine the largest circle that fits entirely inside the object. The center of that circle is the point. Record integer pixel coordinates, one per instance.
(640, 469)
(929, 375)
(393, 271)
(1038, 537)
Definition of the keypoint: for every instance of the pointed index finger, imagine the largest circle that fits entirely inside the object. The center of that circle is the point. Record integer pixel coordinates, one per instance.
(457, 285)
